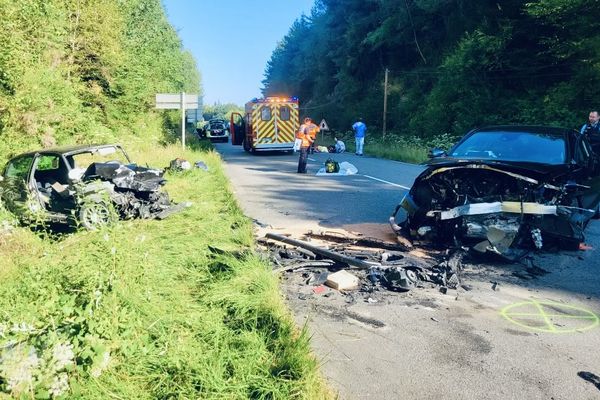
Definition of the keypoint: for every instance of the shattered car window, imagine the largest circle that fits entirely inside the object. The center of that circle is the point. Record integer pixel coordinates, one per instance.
(513, 146)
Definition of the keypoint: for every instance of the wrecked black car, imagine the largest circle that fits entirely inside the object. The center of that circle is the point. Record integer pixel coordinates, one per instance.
(505, 187)
(89, 186)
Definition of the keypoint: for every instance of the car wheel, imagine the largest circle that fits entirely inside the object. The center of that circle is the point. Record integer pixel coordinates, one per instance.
(94, 215)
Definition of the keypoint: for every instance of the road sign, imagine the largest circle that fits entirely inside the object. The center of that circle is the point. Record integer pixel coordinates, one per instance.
(181, 101)
(192, 116)
(168, 101)
(323, 125)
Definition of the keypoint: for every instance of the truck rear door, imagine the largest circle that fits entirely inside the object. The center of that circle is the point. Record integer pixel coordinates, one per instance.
(263, 121)
(285, 128)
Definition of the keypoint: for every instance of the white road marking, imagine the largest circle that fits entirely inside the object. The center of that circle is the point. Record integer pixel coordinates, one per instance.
(389, 183)
(311, 159)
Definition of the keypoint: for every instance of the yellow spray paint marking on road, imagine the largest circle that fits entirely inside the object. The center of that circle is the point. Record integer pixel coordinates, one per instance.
(550, 317)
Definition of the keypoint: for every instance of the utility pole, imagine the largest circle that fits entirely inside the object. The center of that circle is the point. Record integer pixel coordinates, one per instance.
(183, 120)
(385, 89)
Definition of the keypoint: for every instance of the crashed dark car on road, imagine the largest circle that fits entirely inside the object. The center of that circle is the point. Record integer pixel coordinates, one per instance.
(505, 187)
(89, 186)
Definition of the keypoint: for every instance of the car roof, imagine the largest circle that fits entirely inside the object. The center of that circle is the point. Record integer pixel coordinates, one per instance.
(538, 129)
(69, 150)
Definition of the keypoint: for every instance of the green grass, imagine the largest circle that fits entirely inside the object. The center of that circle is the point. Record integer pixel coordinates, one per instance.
(180, 308)
(407, 152)
(410, 149)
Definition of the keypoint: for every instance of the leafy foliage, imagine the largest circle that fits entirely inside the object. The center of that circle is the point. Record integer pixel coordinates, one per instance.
(86, 70)
(220, 111)
(454, 64)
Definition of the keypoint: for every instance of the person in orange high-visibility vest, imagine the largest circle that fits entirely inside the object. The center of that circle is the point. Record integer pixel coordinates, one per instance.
(307, 132)
(314, 129)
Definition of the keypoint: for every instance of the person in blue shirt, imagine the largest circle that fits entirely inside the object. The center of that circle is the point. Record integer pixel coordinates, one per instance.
(360, 129)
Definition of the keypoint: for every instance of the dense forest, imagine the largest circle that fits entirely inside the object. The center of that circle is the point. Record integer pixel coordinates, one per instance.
(453, 64)
(86, 70)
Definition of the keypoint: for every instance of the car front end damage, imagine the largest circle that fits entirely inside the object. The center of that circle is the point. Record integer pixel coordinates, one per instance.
(496, 207)
(133, 191)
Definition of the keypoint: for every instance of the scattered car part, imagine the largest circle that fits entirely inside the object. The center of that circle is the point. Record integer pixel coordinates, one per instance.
(323, 252)
(391, 270)
(358, 241)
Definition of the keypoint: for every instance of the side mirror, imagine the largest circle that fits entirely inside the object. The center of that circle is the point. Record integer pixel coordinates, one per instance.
(436, 152)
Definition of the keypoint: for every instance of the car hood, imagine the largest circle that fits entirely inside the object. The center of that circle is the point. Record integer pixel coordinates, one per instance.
(537, 171)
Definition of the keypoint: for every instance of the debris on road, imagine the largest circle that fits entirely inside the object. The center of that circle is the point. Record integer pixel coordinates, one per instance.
(342, 280)
(319, 289)
(374, 267)
(350, 263)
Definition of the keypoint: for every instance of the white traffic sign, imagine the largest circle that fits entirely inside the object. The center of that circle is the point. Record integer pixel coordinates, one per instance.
(192, 116)
(323, 125)
(168, 101)
(181, 101)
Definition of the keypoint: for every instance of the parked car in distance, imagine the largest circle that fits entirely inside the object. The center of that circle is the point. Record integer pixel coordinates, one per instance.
(216, 130)
(505, 186)
(88, 186)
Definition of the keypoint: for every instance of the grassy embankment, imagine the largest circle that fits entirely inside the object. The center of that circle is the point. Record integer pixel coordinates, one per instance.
(146, 309)
(393, 147)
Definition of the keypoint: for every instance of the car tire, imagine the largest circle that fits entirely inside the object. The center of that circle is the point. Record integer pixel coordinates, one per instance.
(94, 215)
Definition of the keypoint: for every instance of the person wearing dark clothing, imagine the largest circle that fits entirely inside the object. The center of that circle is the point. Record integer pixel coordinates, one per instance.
(592, 130)
(306, 133)
(593, 125)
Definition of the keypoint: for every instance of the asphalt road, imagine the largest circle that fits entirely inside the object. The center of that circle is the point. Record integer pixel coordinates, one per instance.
(271, 192)
(467, 344)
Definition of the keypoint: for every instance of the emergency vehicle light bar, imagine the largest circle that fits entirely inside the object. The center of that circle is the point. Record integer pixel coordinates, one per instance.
(275, 100)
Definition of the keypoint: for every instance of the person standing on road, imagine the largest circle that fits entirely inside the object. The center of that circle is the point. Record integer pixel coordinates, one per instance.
(360, 129)
(306, 133)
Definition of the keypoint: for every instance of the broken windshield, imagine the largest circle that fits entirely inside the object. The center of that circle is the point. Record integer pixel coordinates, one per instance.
(513, 146)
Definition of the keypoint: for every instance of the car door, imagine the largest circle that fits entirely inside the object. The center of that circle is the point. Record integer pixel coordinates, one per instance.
(237, 128)
(586, 173)
(17, 192)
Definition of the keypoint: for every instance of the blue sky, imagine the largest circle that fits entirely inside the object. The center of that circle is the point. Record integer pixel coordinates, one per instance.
(232, 40)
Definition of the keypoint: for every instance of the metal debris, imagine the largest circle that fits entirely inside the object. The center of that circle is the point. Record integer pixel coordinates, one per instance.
(536, 235)
(377, 267)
